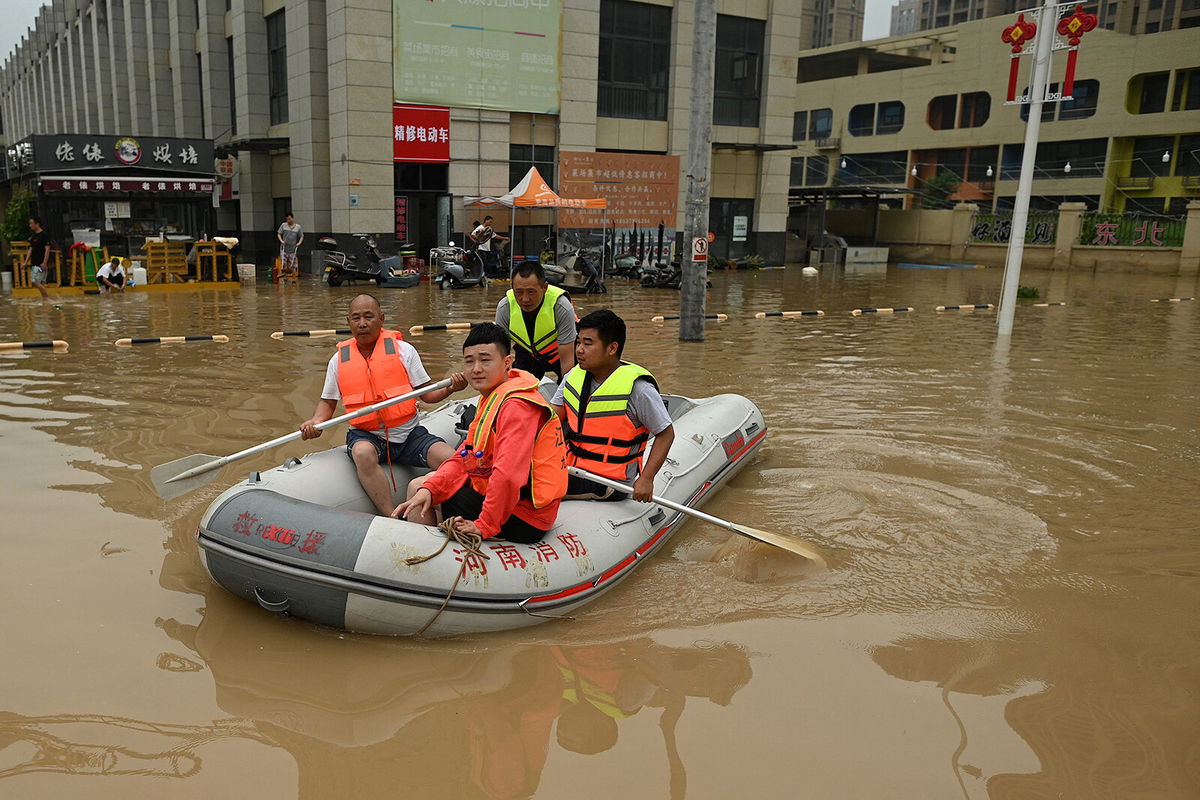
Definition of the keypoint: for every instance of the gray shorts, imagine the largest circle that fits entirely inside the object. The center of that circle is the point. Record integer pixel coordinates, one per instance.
(37, 274)
(413, 452)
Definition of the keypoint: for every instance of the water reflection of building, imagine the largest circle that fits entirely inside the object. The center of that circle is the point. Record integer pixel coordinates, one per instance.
(450, 721)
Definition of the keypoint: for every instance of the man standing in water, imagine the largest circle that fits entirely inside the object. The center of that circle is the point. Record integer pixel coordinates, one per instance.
(371, 367)
(38, 257)
(541, 321)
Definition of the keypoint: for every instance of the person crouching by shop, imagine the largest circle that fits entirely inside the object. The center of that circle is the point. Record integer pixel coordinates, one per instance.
(373, 366)
(541, 321)
(609, 409)
(509, 476)
(111, 276)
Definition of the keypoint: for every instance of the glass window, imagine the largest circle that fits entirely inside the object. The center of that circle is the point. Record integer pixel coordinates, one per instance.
(980, 159)
(1086, 94)
(523, 156)
(1189, 155)
(820, 123)
(799, 126)
(277, 66)
(1152, 93)
(1147, 156)
(890, 118)
(862, 120)
(796, 177)
(635, 56)
(738, 79)
(817, 173)
(976, 108)
(1187, 90)
(940, 114)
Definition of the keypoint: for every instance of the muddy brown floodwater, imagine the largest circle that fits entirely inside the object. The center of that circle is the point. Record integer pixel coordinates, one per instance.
(1010, 609)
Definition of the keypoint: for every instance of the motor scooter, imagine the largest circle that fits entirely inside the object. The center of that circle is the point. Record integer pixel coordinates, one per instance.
(457, 268)
(368, 265)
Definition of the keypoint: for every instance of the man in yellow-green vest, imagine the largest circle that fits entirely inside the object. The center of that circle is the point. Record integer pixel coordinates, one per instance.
(540, 320)
(610, 409)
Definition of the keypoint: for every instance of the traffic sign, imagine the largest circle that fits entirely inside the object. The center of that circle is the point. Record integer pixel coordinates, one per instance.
(699, 249)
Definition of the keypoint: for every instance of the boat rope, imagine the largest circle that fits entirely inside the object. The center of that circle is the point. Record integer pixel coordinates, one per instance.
(471, 541)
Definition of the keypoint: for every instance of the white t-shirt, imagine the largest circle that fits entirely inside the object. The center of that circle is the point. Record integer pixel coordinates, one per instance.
(416, 375)
(646, 407)
(483, 237)
(109, 271)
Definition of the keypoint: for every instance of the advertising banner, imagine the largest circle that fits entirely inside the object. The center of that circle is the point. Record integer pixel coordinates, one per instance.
(420, 134)
(79, 185)
(497, 54)
(641, 190)
(84, 151)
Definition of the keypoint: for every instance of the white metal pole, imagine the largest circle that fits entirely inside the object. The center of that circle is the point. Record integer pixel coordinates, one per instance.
(1020, 218)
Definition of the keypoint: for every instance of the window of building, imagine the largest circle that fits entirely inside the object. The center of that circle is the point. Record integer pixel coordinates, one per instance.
(523, 156)
(1187, 90)
(979, 161)
(890, 118)
(816, 172)
(874, 168)
(1150, 92)
(232, 89)
(861, 121)
(796, 174)
(277, 66)
(737, 83)
(1086, 157)
(1147, 156)
(869, 119)
(799, 126)
(1189, 155)
(1086, 94)
(635, 60)
(941, 112)
(820, 123)
(975, 110)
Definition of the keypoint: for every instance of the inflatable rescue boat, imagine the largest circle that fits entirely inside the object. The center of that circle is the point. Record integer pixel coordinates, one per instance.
(302, 539)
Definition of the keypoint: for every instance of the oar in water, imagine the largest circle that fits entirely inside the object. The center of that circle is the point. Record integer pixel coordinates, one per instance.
(330, 332)
(191, 472)
(786, 542)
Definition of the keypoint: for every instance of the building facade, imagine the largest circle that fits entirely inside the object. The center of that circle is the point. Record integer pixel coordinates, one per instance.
(898, 114)
(299, 101)
(1127, 16)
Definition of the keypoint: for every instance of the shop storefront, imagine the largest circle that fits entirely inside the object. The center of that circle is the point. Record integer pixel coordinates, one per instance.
(120, 190)
(421, 153)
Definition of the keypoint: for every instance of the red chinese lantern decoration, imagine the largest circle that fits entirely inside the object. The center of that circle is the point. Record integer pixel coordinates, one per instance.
(1074, 27)
(1017, 35)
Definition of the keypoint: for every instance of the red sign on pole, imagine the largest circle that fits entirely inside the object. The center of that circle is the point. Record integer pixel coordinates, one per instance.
(420, 134)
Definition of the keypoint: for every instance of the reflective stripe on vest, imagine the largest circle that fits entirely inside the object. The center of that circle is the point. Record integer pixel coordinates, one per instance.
(547, 468)
(364, 382)
(544, 342)
(601, 437)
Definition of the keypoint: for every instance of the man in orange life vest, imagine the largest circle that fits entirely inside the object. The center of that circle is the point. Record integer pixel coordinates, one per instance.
(373, 366)
(510, 475)
(610, 408)
(541, 321)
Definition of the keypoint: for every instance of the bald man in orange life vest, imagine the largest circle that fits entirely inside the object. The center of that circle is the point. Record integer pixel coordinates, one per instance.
(511, 473)
(371, 367)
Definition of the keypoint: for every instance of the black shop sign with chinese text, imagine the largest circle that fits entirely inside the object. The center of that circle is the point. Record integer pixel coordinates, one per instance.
(75, 152)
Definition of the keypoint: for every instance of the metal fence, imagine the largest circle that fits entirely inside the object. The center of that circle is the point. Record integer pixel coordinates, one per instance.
(995, 227)
(1132, 230)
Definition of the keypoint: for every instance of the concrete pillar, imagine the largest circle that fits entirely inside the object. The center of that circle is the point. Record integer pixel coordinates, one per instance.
(158, 45)
(86, 113)
(135, 89)
(117, 113)
(101, 67)
(960, 229)
(254, 194)
(580, 69)
(1070, 223)
(308, 115)
(1189, 254)
(185, 75)
(782, 41)
(214, 60)
(360, 57)
(250, 68)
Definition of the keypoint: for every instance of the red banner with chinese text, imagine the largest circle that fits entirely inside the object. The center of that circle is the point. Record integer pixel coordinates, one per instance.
(420, 134)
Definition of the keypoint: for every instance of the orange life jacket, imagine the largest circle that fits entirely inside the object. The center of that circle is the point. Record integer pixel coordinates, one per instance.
(547, 468)
(600, 435)
(364, 382)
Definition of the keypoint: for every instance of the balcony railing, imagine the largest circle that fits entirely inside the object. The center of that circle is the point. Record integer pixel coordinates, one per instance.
(829, 143)
(1135, 183)
(1191, 181)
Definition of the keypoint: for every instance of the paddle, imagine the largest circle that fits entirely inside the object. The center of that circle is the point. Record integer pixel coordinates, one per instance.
(786, 542)
(191, 472)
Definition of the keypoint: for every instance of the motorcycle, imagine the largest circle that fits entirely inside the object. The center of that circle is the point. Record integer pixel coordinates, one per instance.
(666, 276)
(583, 262)
(369, 265)
(457, 268)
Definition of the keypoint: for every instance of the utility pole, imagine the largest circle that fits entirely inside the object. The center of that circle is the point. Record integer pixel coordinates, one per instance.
(695, 273)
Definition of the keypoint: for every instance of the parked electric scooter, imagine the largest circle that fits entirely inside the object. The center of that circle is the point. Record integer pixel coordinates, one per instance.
(457, 268)
(368, 265)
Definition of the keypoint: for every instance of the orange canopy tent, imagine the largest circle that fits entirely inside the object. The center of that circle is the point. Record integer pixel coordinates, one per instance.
(532, 191)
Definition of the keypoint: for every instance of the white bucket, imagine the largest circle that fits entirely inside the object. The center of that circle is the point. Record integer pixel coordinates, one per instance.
(137, 275)
(6, 282)
(246, 273)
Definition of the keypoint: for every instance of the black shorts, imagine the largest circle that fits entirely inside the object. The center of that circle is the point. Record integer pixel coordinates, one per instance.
(583, 489)
(468, 504)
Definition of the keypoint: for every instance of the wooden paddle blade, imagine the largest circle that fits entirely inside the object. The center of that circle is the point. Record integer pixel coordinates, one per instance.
(168, 489)
(786, 542)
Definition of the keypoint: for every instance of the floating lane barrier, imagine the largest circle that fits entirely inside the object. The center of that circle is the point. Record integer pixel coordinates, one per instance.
(452, 326)
(170, 340)
(1173, 300)
(1045, 305)
(894, 310)
(765, 314)
(56, 344)
(717, 317)
(333, 332)
(976, 306)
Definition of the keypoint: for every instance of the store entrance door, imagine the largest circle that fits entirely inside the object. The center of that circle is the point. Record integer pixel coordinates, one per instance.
(729, 219)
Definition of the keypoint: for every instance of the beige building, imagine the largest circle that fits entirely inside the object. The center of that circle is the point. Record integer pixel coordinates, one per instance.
(896, 114)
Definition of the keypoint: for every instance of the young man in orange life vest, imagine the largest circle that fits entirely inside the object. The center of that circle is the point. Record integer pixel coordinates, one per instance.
(509, 476)
(609, 409)
(373, 366)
